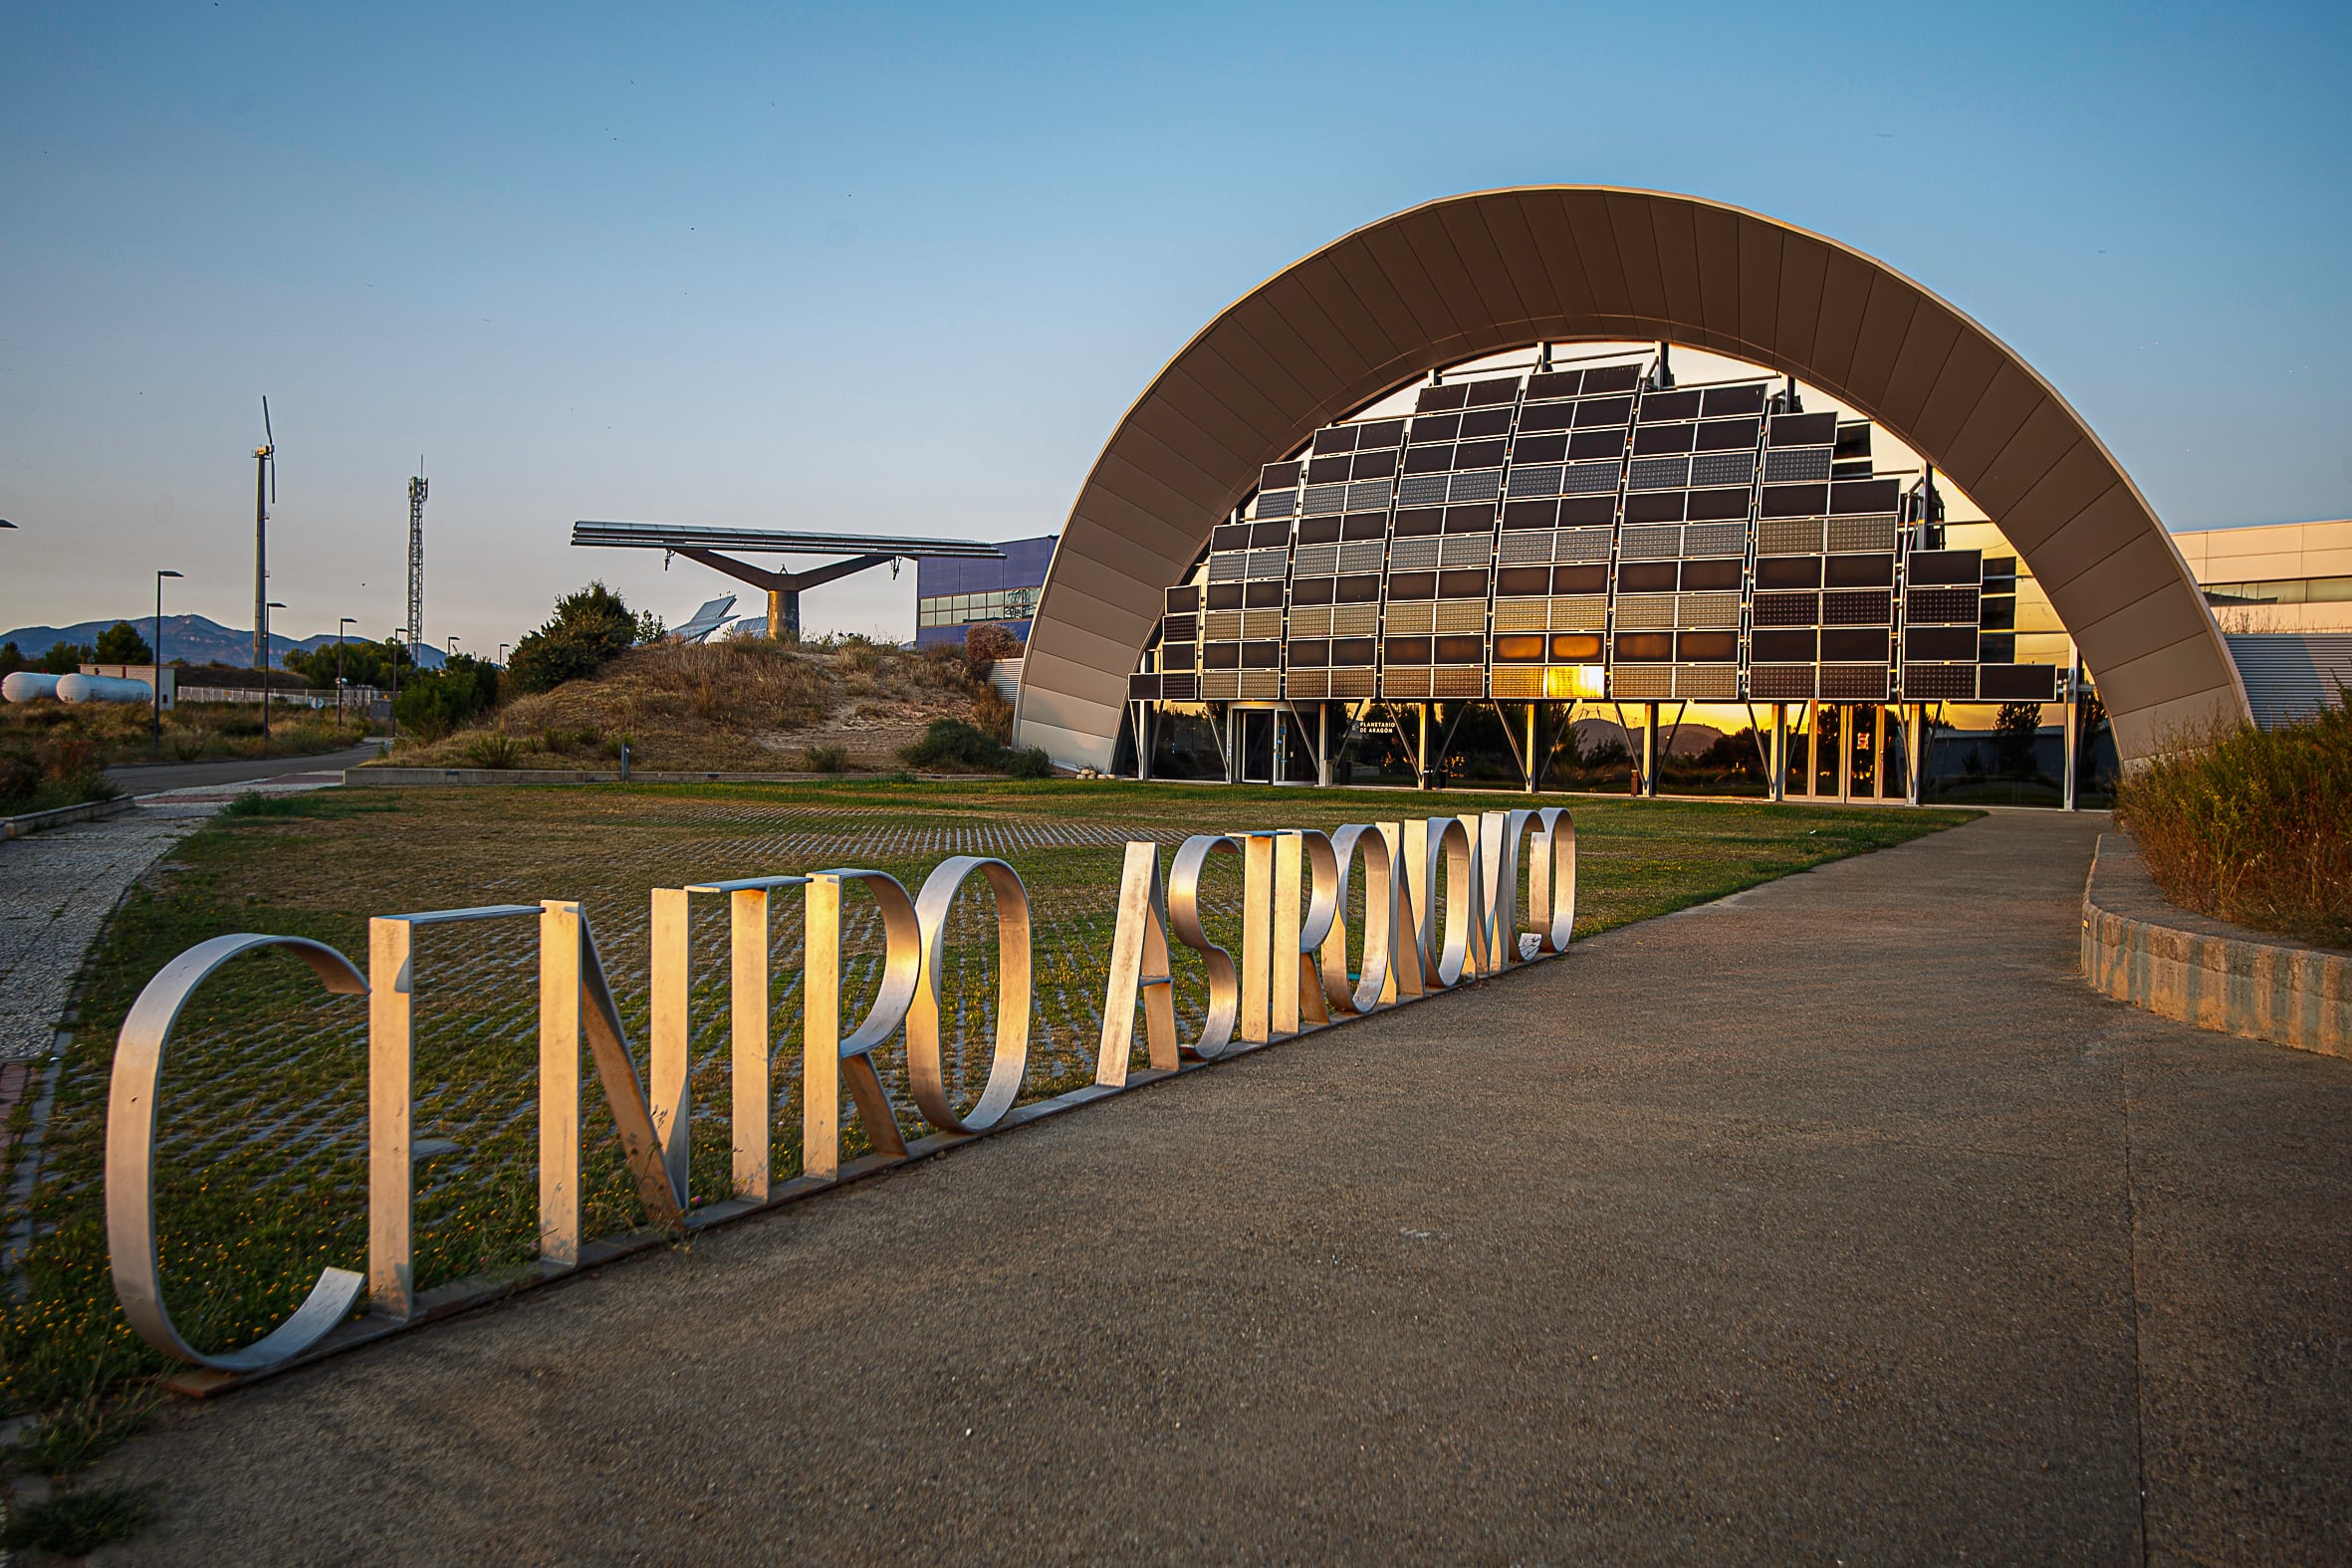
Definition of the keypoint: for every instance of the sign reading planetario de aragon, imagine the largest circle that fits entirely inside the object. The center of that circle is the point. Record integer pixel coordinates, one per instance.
(1292, 975)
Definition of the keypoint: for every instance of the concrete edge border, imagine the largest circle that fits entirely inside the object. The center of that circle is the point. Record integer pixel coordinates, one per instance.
(59, 816)
(2140, 949)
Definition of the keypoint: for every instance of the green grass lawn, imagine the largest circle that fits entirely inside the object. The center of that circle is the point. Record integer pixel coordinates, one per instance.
(261, 1169)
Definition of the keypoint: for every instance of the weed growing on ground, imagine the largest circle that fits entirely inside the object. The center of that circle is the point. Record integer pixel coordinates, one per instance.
(76, 1523)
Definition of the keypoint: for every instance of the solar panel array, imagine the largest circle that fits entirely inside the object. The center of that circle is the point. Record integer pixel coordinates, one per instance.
(1570, 534)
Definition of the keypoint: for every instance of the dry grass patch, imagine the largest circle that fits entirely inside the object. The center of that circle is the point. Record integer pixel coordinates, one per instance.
(747, 705)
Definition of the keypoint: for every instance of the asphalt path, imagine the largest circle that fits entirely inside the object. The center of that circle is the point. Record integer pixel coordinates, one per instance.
(1836, 1222)
(154, 777)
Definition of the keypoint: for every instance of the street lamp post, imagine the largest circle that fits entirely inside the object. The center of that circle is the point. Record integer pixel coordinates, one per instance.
(339, 626)
(157, 653)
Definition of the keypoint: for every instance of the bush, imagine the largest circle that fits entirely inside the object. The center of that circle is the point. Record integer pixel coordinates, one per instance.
(588, 628)
(80, 1522)
(984, 645)
(431, 706)
(2254, 826)
(952, 744)
(828, 759)
(1032, 762)
(492, 751)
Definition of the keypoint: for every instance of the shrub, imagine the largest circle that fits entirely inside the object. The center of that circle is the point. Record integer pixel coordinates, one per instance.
(2252, 825)
(1031, 762)
(951, 743)
(20, 778)
(433, 705)
(828, 759)
(993, 716)
(492, 751)
(588, 628)
(984, 645)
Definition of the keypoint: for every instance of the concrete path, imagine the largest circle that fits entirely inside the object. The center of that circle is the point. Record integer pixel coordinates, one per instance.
(57, 887)
(1839, 1221)
(152, 778)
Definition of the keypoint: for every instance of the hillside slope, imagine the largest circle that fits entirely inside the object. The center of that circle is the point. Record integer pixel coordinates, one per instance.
(746, 706)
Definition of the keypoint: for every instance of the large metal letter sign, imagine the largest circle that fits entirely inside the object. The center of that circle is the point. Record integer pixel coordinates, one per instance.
(1138, 971)
(391, 1096)
(1294, 975)
(130, 1158)
(672, 1030)
(926, 1074)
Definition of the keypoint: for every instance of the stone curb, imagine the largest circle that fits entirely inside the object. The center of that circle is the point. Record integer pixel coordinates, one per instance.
(89, 811)
(2137, 948)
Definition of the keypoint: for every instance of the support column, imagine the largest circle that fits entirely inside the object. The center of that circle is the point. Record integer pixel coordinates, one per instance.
(2073, 717)
(1145, 714)
(1424, 776)
(1323, 746)
(784, 614)
(1915, 751)
(1779, 762)
(1649, 751)
(1281, 740)
(1531, 752)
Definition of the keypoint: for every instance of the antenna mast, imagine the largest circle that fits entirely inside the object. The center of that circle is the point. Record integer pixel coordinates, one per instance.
(416, 489)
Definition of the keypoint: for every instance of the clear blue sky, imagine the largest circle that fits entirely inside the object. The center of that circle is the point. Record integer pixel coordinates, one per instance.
(902, 269)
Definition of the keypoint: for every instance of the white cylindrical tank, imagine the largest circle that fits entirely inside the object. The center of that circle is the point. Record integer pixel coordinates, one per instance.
(28, 686)
(102, 688)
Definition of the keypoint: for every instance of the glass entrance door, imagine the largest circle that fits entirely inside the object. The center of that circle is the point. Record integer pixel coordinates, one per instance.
(1257, 746)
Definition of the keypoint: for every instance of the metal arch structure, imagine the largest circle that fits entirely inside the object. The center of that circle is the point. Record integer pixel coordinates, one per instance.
(1477, 274)
(702, 545)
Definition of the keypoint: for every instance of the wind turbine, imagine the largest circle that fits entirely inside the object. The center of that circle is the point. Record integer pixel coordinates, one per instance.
(265, 468)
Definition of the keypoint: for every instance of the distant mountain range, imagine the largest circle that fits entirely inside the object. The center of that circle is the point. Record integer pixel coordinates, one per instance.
(190, 637)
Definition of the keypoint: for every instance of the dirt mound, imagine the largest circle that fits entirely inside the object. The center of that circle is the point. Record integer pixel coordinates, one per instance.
(741, 706)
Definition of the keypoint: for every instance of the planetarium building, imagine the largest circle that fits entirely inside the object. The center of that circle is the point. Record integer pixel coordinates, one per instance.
(1494, 477)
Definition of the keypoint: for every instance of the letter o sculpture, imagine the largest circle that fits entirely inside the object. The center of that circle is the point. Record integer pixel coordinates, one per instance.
(926, 1074)
(1347, 996)
(1184, 923)
(130, 1158)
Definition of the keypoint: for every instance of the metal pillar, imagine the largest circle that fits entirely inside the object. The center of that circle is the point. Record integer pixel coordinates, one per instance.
(1424, 776)
(1146, 713)
(1279, 739)
(1649, 751)
(1914, 753)
(1779, 762)
(2073, 718)
(1530, 748)
(1323, 746)
(784, 614)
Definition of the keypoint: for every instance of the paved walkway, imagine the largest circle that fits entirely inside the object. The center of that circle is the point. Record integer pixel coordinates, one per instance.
(1836, 1222)
(150, 777)
(57, 887)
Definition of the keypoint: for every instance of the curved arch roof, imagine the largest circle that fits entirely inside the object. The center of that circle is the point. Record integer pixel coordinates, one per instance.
(1473, 275)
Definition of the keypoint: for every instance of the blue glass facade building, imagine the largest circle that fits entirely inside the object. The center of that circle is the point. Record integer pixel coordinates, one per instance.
(952, 597)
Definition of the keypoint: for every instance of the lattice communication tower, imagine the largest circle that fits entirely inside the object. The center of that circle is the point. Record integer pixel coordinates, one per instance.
(416, 491)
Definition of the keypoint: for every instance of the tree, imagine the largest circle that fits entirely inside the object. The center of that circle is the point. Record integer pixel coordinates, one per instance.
(363, 663)
(433, 704)
(649, 627)
(64, 658)
(120, 643)
(11, 659)
(2012, 736)
(589, 627)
